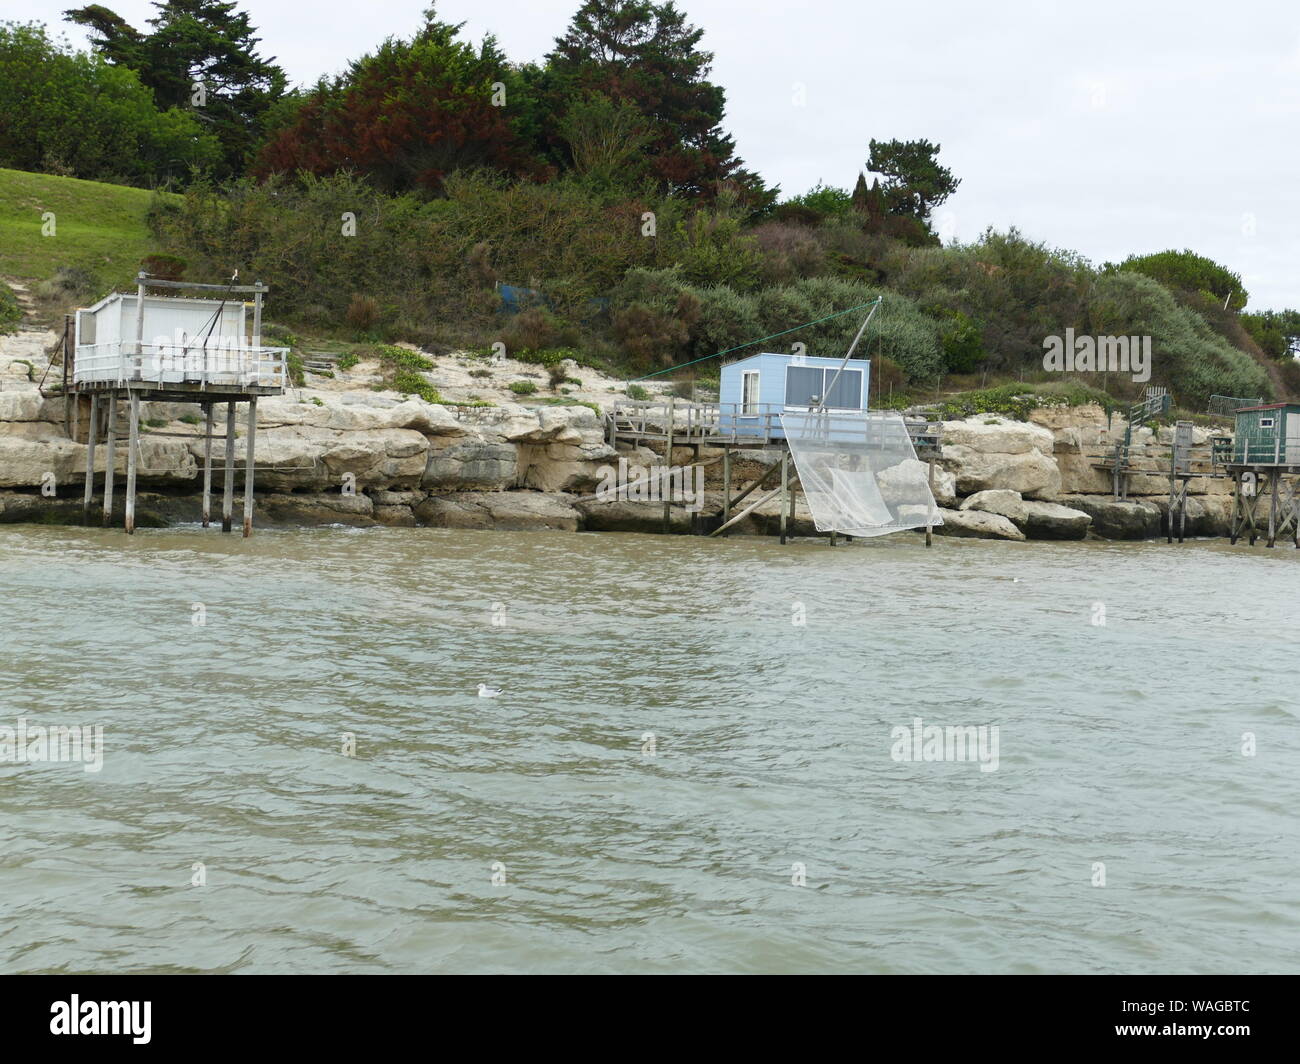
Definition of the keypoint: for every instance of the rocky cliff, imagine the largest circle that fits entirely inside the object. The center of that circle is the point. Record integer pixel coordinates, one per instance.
(375, 458)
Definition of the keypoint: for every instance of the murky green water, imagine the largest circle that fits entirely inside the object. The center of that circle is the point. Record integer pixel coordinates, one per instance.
(1119, 744)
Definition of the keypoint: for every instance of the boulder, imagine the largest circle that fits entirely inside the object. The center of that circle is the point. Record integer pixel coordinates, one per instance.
(1117, 519)
(977, 524)
(507, 510)
(356, 510)
(1031, 473)
(1049, 520)
(998, 501)
(991, 434)
(623, 515)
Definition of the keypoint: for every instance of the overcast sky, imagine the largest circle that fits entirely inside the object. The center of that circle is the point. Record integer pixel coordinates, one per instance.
(1106, 127)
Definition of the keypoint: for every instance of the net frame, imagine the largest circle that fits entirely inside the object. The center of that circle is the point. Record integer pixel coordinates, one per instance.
(859, 471)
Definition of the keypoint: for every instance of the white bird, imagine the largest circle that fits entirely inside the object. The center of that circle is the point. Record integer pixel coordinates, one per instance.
(484, 691)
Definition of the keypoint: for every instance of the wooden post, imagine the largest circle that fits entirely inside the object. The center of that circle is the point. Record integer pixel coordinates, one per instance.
(248, 467)
(929, 524)
(1182, 514)
(726, 484)
(785, 489)
(139, 316)
(668, 461)
(228, 499)
(110, 457)
(132, 446)
(209, 427)
(90, 456)
(1272, 506)
(257, 315)
(1236, 508)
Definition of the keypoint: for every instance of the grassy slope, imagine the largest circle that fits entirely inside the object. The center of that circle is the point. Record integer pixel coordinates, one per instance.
(99, 227)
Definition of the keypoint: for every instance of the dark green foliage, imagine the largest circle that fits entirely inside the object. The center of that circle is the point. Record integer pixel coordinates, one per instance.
(208, 43)
(1187, 272)
(74, 114)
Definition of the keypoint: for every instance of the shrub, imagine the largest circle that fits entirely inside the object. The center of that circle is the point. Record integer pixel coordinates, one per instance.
(401, 357)
(635, 391)
(409, 382)
(164, 267)
(362, 313)
(10, 312)
(347, 360)
(523, 387)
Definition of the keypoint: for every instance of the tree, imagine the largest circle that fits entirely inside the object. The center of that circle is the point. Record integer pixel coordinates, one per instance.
(606, 139)
(74, 113)
(201, 54)
(648, 55)
(1190, 274)
(914, 182)
(411, 113)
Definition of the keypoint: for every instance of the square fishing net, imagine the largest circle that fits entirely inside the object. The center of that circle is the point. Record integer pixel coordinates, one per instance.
(859, 472)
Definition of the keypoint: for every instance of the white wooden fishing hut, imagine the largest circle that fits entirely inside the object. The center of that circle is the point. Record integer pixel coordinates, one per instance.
(156, 347)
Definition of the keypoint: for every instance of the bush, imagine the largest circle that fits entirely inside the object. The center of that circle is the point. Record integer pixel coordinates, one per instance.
(362, 313)
(523, 387)
(409, 382)
(347, 360)
(635, 391)
(401, 358)
(164, 267)
(10, 312)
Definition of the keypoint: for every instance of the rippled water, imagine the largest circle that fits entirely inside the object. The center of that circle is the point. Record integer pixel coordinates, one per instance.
(1119, 744)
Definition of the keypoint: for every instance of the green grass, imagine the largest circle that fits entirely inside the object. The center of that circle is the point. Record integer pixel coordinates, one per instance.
(99, 228)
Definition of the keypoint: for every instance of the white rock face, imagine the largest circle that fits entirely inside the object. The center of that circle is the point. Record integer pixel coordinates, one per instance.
(988, 434)
(1031, 473)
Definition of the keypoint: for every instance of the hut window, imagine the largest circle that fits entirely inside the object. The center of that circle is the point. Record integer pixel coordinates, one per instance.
(1266, 422)
(803, 386)
(749, 392)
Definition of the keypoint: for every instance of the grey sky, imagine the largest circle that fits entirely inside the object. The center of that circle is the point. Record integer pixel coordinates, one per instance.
(1108, 127)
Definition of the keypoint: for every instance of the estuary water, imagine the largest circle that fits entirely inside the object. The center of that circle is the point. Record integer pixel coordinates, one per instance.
(693, 767)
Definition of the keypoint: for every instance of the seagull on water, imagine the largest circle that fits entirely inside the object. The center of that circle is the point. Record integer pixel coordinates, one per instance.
(484, 691)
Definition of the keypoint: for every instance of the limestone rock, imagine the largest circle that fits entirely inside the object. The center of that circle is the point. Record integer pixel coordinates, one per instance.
(1117, 519)
(507, 510)
(977, 524)
(999, 501)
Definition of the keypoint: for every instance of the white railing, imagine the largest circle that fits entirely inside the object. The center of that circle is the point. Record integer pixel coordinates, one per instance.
(126, 362)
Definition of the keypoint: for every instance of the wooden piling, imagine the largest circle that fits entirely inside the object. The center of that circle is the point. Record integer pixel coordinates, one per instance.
(228, 497)
(668, 461)
(209, 425)
(132, 448)
(90, 457)
(248, 467)
(110, 457)
(929, 521)
(1272, 507)
(726, 484)
(785, 490)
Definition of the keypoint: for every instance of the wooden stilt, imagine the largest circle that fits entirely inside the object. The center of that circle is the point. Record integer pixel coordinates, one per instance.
(90, 457)
(209, 423)
(746, 511)
(726, 485)
(668, 462)
(929, 524)
(110, 457)
(1236, 508)
(785, 490)
(1272, 508)
(228, 498)
(248, 467)
(132, 448)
